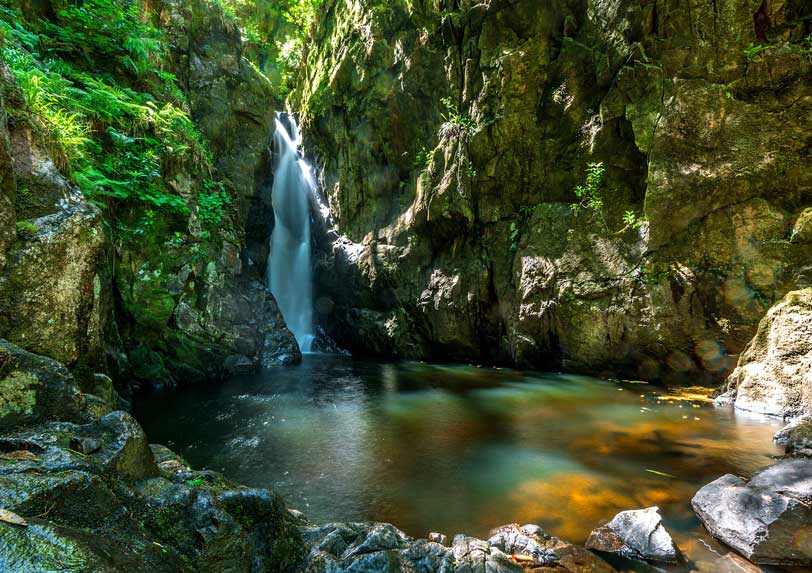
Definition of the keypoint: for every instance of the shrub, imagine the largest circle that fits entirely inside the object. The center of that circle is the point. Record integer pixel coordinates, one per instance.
(119, 144)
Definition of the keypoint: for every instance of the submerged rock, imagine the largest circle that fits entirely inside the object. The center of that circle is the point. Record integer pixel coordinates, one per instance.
(796, 437)
(768, 519)
(774, 374)
(734, 563)
(636, 534)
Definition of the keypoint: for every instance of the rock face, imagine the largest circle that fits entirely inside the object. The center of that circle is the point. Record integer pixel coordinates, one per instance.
(774, 374)
(233, 105)
(380, 547)
(767, 519)
(50, 246)
(636, 534)
(796, 437)
(450, 140)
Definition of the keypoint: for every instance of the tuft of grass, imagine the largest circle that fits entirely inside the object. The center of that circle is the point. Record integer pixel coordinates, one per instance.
(26, 229)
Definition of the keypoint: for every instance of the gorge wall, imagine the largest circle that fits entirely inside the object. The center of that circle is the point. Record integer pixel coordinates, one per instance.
(451, 136)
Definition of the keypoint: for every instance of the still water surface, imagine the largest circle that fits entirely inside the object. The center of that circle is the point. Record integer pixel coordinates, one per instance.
(461, 449)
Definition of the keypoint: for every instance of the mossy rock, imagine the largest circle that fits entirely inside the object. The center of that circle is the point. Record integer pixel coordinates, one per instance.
(35, 388)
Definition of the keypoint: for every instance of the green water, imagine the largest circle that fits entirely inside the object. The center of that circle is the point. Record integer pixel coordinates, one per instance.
(460, 449)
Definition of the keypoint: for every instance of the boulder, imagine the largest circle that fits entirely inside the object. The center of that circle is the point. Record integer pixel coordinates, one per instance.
(636, 534)
(123, 449)
(768, 519)
(774, 373)
(43, 547)
(50, 287)
(35, 389)
(796, 437)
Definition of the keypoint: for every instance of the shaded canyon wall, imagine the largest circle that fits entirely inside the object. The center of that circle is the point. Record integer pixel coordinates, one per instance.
(451, 137)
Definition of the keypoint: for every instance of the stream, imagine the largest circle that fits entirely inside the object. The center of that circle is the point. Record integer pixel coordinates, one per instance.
(462, 449)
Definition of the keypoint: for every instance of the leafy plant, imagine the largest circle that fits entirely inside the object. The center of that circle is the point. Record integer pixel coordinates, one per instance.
(753, 50)
(114, 30)
(274, 35)
(589, 194)
(807, 47)
(456, 123)
(633, 221)
(422, 159)
(212, 203)
(121, 146)
(729, 90)
(514, 236)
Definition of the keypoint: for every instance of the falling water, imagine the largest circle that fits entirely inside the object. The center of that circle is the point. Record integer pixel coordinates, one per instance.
(289, 269)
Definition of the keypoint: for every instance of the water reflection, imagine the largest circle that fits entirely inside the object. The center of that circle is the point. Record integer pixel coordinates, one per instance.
(463, 449)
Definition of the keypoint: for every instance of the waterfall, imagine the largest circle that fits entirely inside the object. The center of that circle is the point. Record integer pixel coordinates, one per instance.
(290, 272)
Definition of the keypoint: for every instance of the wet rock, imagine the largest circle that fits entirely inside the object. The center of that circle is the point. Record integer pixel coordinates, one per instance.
(45, 547)
(84, 445)
(774, 374)
(365, 547)
(471, 554)
(526, 540)
(435, 537)
(796, 437)
(124, 451)
(299, 517)
(636, 534)
(768, 519)
(35, 388)
(171, 465)
(110, 510)
(279, 346)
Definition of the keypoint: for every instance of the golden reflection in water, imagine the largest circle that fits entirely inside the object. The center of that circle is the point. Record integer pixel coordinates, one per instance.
(571, 505)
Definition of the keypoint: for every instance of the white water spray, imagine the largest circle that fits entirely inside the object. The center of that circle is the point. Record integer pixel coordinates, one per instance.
(289, 267)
